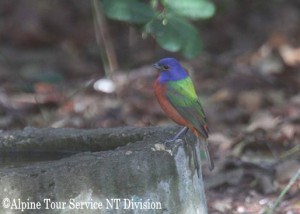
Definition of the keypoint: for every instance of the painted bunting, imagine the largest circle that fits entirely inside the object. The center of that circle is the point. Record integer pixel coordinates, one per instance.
(176, 95)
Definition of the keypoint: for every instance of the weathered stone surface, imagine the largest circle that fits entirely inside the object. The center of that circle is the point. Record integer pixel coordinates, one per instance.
(96, 166)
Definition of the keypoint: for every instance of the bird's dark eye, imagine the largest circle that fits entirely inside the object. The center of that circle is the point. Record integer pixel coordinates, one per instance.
(166, 67)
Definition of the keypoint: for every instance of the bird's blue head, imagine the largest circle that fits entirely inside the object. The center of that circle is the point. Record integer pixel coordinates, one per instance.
(170, 70)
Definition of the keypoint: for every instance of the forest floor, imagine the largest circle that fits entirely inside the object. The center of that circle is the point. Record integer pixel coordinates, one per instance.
(247, 78)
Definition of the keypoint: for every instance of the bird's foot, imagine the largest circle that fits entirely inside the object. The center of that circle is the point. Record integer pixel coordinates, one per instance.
(173, 144)
(182, 131)
(170, 140)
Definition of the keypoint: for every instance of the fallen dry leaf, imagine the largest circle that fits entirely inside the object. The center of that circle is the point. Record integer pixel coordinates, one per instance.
(288, 131)
(263, 120)
(223, 205)
(286, 170)
(250, 100)
(290, 55)
(223, 95)
(223, 142)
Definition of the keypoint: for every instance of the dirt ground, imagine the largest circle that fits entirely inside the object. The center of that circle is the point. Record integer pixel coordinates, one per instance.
(247, 78)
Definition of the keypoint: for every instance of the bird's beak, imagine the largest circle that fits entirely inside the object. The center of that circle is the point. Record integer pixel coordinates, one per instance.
(156, 65)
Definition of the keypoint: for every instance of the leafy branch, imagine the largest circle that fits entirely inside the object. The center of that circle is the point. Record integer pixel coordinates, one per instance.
(168, 21)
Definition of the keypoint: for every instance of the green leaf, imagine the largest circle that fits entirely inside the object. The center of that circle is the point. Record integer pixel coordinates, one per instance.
(128, 10)
(193, 9)
(192, 48)
(193, 45)
(176, 34)
(167, 36)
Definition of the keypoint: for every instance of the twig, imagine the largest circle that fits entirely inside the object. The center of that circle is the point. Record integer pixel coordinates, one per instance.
(290, 153)
(284, 191)
(103, 39)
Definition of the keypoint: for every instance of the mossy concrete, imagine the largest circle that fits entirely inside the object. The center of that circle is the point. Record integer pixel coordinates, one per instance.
(99, 167)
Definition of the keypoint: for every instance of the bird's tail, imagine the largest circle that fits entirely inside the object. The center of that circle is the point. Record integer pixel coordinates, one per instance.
(207, 154)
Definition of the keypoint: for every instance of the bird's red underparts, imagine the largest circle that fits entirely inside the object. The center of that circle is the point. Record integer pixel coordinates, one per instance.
(160, 91)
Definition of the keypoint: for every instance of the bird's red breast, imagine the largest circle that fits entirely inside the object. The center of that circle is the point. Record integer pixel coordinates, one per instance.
(160, 93)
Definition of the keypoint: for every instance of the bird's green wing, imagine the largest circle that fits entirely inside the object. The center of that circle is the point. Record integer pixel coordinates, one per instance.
(182, 96)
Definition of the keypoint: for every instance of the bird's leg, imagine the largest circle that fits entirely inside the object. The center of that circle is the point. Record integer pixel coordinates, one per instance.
(183, 130)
